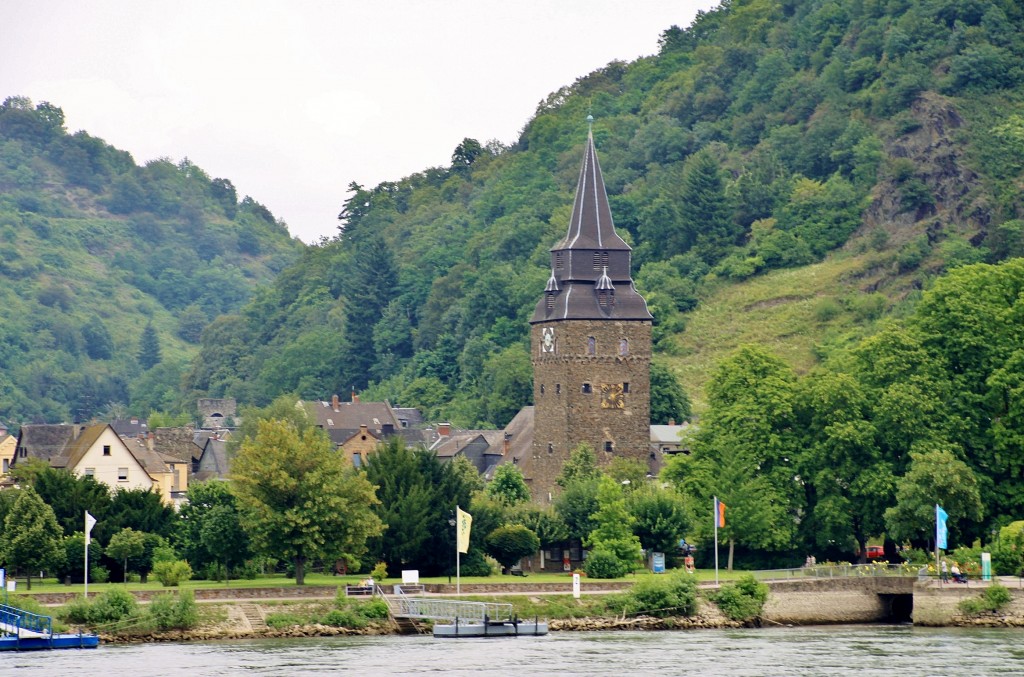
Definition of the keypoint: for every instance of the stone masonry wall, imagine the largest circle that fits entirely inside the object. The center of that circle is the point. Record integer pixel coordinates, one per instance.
(565, 416)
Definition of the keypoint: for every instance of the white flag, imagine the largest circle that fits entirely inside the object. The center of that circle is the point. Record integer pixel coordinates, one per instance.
(90, 522)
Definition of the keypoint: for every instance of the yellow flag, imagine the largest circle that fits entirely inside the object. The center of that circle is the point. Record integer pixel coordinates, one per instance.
(465, 521)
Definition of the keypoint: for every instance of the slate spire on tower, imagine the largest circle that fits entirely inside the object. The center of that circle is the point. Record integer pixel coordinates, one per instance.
(591, 252)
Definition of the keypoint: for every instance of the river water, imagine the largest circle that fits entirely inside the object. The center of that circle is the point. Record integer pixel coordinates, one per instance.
(861, 650)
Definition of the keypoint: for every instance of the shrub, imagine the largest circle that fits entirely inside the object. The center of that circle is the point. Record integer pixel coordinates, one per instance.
(344, 618)
(743, 600)
(604, 564)
(379, 571)
(174, 612)
(112, 606)
(671, 595)
(171, 573)
(374, 609)
(994, 598)
(282, 620)
(78, 610)
(99, 574)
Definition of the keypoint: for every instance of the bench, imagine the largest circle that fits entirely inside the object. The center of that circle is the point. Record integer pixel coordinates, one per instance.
(358, 590)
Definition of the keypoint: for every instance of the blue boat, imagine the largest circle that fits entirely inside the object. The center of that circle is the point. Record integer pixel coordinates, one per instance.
(25, 631)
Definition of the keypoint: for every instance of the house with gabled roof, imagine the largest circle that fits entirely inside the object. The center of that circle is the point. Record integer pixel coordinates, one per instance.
(213, 462)
(98, 451)
(8, 445)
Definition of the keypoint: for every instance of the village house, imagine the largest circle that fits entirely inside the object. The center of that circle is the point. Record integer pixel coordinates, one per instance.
(97, 450)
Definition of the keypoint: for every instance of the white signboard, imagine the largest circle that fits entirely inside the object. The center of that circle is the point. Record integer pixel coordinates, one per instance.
(576, 586)
(410, 576)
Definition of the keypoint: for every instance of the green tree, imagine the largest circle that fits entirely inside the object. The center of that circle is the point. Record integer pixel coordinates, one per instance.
(149, 347)
(936, 476)
(510, 543)
(849, 483)
(32, 537)
(187, 534)
(223, 537)
(669, 402)
(545, 522)
(124, 545)
(745, 452)
(70, 497)
(581, 466)
(660, 518)
(369, 285)
(508, 486)
(299, 498)
(705, 209)
(98, 343)
(613, 525)
(409, 503)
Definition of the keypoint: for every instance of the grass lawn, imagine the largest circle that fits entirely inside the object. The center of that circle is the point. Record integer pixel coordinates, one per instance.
(50, 585)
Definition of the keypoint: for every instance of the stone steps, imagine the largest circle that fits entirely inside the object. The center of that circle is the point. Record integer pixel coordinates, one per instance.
(253, 616)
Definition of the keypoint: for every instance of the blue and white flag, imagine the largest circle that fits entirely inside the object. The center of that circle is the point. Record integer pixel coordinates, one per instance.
(940, 528)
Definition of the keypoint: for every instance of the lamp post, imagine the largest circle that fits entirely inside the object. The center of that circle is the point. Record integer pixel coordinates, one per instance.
(452, 522)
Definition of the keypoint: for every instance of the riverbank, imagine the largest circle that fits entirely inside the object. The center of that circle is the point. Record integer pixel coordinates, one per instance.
(790, 603)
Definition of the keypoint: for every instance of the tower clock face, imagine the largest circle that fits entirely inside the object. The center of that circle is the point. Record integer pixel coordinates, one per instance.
(547, 340)
(612, 396)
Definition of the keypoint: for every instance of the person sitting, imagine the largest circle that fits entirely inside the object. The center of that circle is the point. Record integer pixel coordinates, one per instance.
(957, 576)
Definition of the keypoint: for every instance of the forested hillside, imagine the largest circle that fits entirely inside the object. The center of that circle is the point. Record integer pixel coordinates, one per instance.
(110, 271)
(882, 140)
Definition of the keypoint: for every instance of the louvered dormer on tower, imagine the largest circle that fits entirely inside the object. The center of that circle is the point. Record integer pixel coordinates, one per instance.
(590, 343)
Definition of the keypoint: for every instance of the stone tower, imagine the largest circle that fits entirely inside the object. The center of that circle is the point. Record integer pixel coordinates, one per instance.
(590, 344)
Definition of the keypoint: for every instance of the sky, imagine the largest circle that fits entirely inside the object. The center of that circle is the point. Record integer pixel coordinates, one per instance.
(292, 101)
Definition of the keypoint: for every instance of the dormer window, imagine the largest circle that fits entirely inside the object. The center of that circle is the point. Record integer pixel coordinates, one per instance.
(605, 298)
(550, 300)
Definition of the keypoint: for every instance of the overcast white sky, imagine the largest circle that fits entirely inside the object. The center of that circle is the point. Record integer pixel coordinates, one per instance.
(294, 100)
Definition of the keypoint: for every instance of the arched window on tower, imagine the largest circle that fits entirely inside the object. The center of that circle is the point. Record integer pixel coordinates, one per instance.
(591, 345)
(623, 347)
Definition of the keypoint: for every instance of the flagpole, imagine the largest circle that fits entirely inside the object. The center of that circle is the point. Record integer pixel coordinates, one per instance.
(85, 594)
(938, 571)
(458, 556)
(715, 520)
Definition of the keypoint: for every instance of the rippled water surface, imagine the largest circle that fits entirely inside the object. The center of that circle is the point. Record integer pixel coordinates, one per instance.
(863, 650)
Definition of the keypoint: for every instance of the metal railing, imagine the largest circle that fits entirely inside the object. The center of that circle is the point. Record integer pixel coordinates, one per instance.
(445, 609)
(15, 621)
(838, 571)
(403, 605)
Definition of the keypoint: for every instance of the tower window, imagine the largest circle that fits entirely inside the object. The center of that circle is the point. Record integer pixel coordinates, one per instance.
(625, 387)
(558, 259)
(623, 347)
(591, 345)
(600, 260)
(605, 298)
(541, 388)
(609, 446)
(551, 448)
(558, 388)
(550, 301)
(587, 389)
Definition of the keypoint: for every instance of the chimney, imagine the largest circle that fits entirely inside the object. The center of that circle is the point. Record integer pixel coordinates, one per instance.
(335, 403)
(671, 421)
(355, 398)
(444, 429)
(506, 444)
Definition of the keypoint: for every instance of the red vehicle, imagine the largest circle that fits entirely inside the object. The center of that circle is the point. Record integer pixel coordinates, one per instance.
(875, 551)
